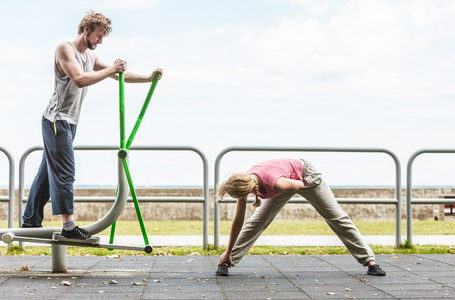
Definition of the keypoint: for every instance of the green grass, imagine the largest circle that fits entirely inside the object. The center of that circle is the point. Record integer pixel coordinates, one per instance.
(276, 228)
(255, 250)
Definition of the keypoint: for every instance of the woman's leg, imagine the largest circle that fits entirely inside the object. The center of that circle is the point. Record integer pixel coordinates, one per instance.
(321, 197)
(257, 223)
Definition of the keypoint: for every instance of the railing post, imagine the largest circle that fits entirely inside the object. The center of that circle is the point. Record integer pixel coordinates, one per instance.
(10, 198)
(409, 200)
(398, 198)
(206, 205)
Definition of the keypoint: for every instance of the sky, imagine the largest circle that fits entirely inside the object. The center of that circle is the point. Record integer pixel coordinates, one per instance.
(256, 73)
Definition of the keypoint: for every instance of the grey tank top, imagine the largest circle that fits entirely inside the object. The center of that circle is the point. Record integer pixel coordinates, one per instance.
(66, 101)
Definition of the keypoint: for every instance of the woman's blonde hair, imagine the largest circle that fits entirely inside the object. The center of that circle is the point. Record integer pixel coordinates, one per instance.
(239, 185)
(93, 20)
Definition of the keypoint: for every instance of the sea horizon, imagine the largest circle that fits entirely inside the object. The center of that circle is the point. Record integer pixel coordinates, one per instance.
(94, 186)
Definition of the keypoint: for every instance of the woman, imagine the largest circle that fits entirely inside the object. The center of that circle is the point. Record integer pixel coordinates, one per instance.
(276, 181)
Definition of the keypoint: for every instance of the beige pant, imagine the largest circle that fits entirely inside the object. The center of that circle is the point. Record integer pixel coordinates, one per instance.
(318, 194)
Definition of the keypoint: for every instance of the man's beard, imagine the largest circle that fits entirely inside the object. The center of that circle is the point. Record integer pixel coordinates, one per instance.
(90, 44)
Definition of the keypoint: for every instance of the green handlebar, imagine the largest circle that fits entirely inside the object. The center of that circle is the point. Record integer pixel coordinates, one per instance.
(121, 81)
(142, 113)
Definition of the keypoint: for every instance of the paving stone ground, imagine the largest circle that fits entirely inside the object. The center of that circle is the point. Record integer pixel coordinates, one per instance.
(255, 277)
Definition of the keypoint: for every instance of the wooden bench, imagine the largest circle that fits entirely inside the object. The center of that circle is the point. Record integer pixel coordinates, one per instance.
(446, 209)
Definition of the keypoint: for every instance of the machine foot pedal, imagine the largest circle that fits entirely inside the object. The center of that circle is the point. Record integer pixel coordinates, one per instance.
(94, 240)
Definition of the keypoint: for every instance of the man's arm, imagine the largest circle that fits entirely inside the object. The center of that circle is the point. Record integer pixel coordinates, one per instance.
(67, 64)
(130, 77)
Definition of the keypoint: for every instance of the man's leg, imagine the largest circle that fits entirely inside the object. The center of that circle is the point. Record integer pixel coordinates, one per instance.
(59, 150)
(61, 167)
(37, 197)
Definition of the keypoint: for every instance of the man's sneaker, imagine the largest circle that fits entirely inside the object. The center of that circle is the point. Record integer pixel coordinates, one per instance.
(26, 225)
(375, 270)
(222, 270)
(76, 234)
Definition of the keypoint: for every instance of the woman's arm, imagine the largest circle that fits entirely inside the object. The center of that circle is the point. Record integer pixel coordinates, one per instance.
(237, 225)
(284, 184)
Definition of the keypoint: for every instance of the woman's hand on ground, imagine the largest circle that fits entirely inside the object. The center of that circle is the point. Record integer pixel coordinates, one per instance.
(225, 259)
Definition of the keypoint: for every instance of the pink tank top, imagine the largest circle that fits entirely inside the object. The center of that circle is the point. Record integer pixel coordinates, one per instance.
(270, 170)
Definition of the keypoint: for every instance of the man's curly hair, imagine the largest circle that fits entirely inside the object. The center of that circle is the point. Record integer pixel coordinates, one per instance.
(94, 20)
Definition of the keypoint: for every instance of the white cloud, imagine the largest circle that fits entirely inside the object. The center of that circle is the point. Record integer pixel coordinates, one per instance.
(128, 5)
(128, 43)
(374, 45)
(13, 52)
(217, 31)
(300, 2)
(358, 47)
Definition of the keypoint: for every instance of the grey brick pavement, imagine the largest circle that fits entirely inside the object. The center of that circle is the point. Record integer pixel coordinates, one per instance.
(256, 277)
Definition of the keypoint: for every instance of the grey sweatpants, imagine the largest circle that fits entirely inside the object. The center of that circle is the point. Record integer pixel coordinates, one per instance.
(320, 196)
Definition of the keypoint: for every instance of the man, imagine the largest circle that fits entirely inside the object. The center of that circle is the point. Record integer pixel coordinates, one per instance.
(76, 66)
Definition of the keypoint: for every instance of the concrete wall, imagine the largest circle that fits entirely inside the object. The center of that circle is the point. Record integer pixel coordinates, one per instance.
(193, 211)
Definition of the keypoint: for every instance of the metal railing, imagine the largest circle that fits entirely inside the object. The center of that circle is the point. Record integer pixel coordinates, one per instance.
(10, 197)
(396, 201)
(205, 190)
(409, 200)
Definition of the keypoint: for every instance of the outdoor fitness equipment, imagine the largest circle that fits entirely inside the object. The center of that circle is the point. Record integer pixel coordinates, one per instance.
(123, 152)
(52, 235)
